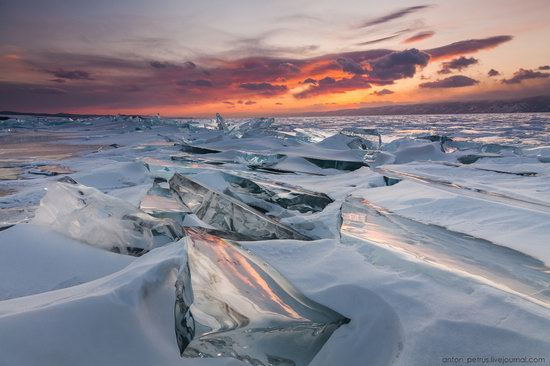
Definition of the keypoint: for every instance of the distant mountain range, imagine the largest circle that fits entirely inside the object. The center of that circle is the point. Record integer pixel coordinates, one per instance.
(539, 104)
(526, 105)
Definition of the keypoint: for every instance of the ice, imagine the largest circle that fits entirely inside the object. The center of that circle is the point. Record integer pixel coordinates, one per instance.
(253, 127)
(222, 126)
(336, 164)
(505, 221)
(232, 304)
(451, 255)
(246, 158)
(499, 149)
(406, 151)
(371, 137)
(195, 150)
(263, 194)
(366, 224)
(227, 213)
(472, 158)
(161, 202)
(288, 197)
(103, 221)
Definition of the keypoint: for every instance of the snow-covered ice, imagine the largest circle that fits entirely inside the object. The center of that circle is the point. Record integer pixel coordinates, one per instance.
(150, 241)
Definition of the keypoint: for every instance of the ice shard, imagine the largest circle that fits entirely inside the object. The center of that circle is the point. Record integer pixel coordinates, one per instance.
(442, 139)
(364, 224)
(160, 202)
(185, 147)
(220, 122)
(473, 157)
(283, 195)
(88, 215)
(227, 213)
(230, 303)
(253, 127)
(336, 164)
(370, 136)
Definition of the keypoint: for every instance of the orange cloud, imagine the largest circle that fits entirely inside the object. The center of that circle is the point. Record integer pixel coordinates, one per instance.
(419, 37)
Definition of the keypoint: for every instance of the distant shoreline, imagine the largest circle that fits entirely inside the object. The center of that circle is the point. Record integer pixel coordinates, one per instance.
(538, 104)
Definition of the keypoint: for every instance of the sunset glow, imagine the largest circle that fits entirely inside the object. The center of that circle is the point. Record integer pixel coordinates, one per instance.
(268, 58)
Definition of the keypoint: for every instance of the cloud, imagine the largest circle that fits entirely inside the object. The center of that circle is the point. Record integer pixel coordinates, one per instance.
(545, 67)
(199, 83)
(395, 15)
(264, 88)
(329, 85)
(397, 65)
(459, 64)
(378, 40)
(71, 74)
(419, 37)
(523, 74)
(457, 81)
(135, 83)
(382, 92)
(158, 64)
(46, 90)
(467, 46)
(350, 66)
(493, 72)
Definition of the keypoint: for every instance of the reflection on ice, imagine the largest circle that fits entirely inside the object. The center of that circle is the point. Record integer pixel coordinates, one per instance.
(226, 213)
(88, 215)
(231, 304)
(363, 223)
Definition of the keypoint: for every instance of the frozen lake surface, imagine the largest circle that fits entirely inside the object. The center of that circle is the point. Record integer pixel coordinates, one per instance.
(383, 240)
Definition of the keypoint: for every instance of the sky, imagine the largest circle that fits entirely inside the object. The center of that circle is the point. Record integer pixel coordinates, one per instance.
(259, 57)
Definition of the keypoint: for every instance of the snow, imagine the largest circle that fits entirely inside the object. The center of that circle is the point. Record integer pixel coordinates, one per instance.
(125, 318)
(34, 259)
(67, 299)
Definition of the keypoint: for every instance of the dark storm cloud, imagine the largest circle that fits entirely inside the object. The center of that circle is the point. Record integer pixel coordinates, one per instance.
(397, 65)
(467, 46)
(329, 85)
(382, 92)
(493, 72)
(457, 81)
(395, 15)
(458, 64)
(189, 65)
(524, 74)
(309, 81)
(71, 74)
(159, 65)
(199, 83)
(350, 66)
(419, 37)
(264, 88)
